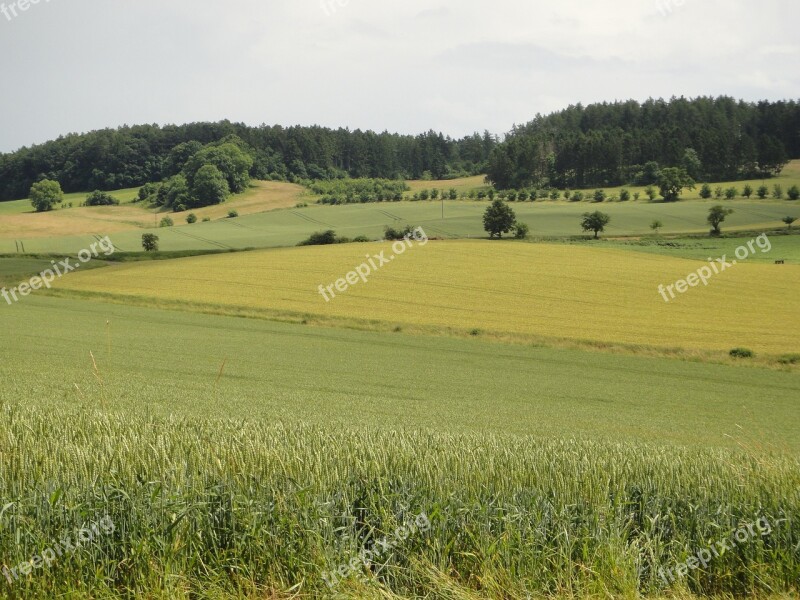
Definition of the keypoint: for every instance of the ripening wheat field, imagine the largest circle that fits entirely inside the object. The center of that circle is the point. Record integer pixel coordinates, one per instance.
(592, 294)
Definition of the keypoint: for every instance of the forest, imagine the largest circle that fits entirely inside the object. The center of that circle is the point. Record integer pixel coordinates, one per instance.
(131, 156)
(610, 144)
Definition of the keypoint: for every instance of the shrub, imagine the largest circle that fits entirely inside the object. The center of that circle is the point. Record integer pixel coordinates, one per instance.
(651, 192)
(718, 192)
(324, 238)
(747, 191)
(794, 193)
(98, 198)
(731, 193)
(392, 234)
(521, 231)
(206, 219)
(777, 192)
(554, 195)
(636, 195)
(741, 353)
(523, 195)
(705, 191)
(166, 222)
(232, 214)
(360, 239)
(191, 218)
(762, 191)
(624, 195)
(577, 197)
(789, 359)
(599, 195)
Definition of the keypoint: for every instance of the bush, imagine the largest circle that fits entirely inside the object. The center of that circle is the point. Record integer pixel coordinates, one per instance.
(705, 191)
(554, 195)
(636, 195)
(232, 214)
(794, 193)
(191, 218)
(748, 191)
(392, 234)
(324, 238)
(651, 192)
(777, 192)
(577, 197)
(624, 195)
(741, 353)
(731, 193)
(166, 222)
(718, 192)
(762, 191)
(98, 198)
(206, 219)
(789, 359)
(599, 195)
(521, 231)
(360, 239)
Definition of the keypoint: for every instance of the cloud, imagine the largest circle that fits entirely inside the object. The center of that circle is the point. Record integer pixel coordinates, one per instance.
(455, 66)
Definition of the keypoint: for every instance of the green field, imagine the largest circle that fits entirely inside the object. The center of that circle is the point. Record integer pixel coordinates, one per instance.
(565, 433)
(287, 227)
(262, 455)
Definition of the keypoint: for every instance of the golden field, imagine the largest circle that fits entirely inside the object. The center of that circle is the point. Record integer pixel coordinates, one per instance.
(519, 289)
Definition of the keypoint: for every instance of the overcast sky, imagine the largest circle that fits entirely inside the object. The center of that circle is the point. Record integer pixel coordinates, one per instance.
(455, 66)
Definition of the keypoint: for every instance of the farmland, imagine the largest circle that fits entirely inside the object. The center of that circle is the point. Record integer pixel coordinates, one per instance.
(564, 431)
(530, 291)
(315, 430)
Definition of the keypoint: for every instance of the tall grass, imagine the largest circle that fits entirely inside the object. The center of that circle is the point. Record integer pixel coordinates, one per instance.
(251, 509)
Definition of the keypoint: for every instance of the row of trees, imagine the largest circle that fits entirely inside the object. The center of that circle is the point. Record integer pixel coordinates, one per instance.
(621, 143)
(132, 156)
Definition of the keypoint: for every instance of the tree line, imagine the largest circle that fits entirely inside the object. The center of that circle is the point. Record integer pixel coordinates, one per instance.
(131, 156)
(612, 144)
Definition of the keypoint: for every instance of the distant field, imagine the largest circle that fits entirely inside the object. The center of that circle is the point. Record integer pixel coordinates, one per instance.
(260, 226)
(504, 288)
(19, 222)
(287, 227)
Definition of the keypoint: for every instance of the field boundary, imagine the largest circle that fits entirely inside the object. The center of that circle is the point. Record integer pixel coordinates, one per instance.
(769, 361)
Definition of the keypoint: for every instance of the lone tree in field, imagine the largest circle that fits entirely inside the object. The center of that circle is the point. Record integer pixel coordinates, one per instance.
(595, 221)
(150, 242)
(45, 194)
(498, 219)
(671, 182)
(716, 215)
(789, 221)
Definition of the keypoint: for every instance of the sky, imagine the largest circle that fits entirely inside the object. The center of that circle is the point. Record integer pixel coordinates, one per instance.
(455, 66)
